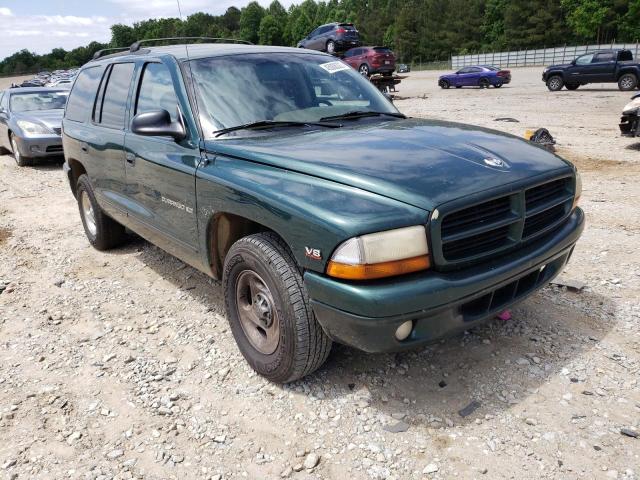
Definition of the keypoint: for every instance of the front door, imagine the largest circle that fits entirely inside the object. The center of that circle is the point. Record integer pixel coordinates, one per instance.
(160, 171)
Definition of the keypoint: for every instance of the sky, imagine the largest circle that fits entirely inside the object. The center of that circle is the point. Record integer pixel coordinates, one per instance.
(41, 25)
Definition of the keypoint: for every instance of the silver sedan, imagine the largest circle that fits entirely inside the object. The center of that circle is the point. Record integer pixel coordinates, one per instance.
(31, 122)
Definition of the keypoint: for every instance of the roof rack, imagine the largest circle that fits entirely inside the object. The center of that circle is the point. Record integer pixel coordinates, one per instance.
(136, 45)
(100, 53)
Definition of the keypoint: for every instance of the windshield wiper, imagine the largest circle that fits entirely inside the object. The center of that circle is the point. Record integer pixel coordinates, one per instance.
(361, 114)
(274, 123)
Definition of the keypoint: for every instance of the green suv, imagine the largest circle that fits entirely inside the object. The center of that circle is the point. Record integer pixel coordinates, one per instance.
(327, 214)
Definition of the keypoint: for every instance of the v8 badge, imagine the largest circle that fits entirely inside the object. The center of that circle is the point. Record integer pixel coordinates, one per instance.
(313, 253)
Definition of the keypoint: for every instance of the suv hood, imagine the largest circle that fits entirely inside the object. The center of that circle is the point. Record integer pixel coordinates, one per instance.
(49, 118)
(420, 162)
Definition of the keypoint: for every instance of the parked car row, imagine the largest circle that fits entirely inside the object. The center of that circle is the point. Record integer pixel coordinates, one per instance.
(57, 78)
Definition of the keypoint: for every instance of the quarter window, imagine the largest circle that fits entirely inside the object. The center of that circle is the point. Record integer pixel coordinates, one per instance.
(156, 90)
(83, 94)
(113, 104)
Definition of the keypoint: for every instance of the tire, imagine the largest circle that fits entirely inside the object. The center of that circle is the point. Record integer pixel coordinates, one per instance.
(484, 83)
(555, 83)
(102, 231)
(573, 86)
(364, 70)
(268, 310)
(458, 86)
(627, 82)
(444, 84)
(497, 85)
(20, 160)
(331, 47)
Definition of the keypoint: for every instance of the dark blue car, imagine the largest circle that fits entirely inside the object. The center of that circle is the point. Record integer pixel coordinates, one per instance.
(476, 76)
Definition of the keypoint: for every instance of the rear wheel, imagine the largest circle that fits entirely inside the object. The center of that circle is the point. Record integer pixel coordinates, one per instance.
(555, 83)
(483, 83)
(364, 69)
(102, 231)
(331, 47)
(21, 160)
(268, 310)
(498, 85)
(444, 84)
(572, 86)
(627, 82)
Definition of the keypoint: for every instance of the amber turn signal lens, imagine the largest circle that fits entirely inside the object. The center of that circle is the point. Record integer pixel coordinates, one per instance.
(378, 270)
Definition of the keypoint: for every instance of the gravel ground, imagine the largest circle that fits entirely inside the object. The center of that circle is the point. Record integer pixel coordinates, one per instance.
(121, 365)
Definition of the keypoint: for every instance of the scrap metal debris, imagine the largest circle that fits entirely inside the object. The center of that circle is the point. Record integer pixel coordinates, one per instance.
(542, 137)
(506, 119)
(469, 409)
(570, 284)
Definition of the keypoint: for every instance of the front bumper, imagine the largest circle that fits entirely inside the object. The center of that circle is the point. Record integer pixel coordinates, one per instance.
(40, 145)
(366, 315)
(630, 125)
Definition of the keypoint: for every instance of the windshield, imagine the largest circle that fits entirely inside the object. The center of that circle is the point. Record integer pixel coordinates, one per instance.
(28, 102)
(242, 89)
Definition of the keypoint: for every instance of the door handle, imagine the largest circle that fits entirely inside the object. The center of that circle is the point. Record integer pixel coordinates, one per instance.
(84, 148)
(131, 158)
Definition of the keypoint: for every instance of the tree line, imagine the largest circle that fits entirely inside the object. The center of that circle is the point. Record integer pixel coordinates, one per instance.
(418, 30)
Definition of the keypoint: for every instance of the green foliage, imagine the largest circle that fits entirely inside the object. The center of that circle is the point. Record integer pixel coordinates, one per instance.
(418, 30)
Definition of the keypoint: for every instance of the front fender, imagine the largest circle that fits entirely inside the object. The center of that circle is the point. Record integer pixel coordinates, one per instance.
(305, 211)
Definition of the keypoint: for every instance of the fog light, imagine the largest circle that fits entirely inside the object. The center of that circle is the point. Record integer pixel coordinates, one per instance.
(35, 148)
(404, 330)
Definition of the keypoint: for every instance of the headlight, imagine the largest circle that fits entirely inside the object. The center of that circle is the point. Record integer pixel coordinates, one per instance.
(33, 128)
(576, 198)
(632, 106)
(383, 254)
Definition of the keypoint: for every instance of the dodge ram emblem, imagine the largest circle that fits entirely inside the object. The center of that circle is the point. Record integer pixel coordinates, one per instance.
(494, 162)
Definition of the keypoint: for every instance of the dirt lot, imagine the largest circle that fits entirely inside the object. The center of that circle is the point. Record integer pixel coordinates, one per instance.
(121, 364)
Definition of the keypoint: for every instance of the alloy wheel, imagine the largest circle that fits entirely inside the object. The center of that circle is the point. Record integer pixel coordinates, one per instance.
(88, 214)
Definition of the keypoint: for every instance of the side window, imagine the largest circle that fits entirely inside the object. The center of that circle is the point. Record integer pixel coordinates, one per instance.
(464, 70)
(584, 59)
(83, 94)
(604, 57)
(2, 94)
(113, 104)
(625, 56)
(156, 90)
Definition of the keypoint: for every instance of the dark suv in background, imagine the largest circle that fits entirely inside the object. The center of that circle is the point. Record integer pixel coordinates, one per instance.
(371, 60)
(332, 38)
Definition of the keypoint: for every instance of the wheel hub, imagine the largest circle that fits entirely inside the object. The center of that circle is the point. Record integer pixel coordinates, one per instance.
(257, 313)
(88, 214)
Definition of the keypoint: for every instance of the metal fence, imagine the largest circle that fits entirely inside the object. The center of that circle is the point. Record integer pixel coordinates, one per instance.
(542, 56)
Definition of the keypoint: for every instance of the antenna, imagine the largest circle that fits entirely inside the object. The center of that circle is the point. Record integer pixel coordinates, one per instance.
(179, 9)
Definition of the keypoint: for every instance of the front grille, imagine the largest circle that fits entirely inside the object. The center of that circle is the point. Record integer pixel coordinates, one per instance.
(54, 149)
(57, 131)
(495, 225)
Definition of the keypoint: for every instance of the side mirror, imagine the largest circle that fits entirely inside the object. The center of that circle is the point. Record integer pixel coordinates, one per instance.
(157, 123)
(573, 62)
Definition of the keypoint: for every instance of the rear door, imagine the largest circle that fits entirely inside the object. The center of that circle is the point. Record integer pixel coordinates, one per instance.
(160, 171)
(103, 143)
(603, 67)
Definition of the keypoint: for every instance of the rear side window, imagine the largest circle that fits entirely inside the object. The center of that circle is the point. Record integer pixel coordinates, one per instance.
(113, 104)
(83, 94)
(625, 56)
(156, 90)
(382, 50)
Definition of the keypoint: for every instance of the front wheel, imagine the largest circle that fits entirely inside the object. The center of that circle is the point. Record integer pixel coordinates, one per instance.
(102, 231)
(268, 310)
(444, 84)
(21, 160)
(627, 82)
(364, 70)
(555, 83)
